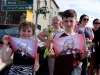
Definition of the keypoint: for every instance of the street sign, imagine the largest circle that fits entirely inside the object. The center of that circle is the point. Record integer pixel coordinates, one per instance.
(17, 5)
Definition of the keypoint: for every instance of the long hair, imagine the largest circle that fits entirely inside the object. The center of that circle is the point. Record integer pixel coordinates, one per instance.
(82, 16)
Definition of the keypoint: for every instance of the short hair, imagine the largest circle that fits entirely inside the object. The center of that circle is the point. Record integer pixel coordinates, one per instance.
(26, 25)
(54, 17)
(69, 13)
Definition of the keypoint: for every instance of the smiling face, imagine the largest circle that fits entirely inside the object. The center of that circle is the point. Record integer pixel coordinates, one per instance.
(69, 44)
(26, 33)
(26, 30)
(56, 22)
(84, 20)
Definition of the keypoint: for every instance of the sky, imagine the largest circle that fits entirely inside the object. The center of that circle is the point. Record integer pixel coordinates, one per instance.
(88, 7)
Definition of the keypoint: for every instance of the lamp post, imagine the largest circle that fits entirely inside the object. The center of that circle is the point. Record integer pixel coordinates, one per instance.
(38, 3)
(37, 10)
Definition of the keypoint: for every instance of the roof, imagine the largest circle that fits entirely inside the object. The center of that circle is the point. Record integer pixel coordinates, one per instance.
(60, 13)
(55, 3)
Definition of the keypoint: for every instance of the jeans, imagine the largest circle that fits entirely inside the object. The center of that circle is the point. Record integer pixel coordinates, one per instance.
(77, 70)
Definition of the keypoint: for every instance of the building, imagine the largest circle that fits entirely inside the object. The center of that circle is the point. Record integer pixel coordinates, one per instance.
(46, 20)
(10, 16)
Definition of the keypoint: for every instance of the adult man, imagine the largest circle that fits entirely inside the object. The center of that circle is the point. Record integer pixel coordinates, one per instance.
(56, 23)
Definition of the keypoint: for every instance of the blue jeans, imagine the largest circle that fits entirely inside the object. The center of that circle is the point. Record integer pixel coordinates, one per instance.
(77, 70)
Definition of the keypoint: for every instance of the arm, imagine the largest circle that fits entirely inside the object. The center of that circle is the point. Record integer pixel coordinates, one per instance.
(89, 40)
(36, 65)
(42, 36)
(92, 35)
(6, 50)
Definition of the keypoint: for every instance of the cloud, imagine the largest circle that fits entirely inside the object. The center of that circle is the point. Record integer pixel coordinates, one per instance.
(89, 7)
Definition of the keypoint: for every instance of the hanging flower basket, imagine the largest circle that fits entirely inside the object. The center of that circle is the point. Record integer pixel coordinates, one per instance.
(44, 10)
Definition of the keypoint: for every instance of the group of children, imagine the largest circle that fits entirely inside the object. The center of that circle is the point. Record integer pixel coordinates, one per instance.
(62, 64)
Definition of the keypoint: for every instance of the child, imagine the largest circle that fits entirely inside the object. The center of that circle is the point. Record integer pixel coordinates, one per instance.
(64, 63)
(22, 65)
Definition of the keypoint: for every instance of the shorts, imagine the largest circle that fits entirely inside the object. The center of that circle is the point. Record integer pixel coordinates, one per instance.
(21, 70)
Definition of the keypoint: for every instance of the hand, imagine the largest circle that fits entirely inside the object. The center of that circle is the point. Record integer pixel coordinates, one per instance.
(92, 45)
(87, 53)
(48, 43)
(36, 66)
(5, 39)
(88, 40)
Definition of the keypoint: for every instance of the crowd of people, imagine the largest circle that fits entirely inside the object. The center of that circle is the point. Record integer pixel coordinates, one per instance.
(85, 63)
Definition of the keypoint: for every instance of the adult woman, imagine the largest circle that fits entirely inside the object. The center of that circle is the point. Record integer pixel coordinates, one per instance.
(96, 41)
(83, 29)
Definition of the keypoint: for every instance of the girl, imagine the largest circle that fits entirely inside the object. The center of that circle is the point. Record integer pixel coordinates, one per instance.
(22, 65)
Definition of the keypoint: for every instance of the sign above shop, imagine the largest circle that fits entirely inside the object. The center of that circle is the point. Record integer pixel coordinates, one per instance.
(17, 5)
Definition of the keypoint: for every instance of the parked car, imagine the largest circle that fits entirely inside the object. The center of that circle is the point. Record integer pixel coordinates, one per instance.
(7, 29)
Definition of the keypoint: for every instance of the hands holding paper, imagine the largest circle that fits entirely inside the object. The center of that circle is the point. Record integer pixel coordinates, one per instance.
(85, 54)
(5, 39)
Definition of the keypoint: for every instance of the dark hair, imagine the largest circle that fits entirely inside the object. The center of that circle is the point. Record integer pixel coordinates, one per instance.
(95, 20)
(69, 13)
(82, 16)
(26, 25)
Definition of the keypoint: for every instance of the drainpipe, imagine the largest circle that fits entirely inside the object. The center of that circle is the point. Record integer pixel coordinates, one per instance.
(37, 13)
(50, 13)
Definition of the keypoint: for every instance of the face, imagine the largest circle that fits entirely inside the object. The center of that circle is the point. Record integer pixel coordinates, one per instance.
(69, 23)
(70, 45)
(96, 24)
(56, 22)
(26, 33)
(85, 20)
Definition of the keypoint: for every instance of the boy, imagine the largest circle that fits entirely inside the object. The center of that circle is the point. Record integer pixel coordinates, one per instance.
(64, 63)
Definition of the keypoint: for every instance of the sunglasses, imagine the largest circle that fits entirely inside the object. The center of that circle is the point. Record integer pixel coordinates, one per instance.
(86, 19)
(96, 22)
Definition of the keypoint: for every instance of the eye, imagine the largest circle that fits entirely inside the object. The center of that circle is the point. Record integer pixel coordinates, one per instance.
(71, 20)
(66, 21)
(23, 30)
(29, 31)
